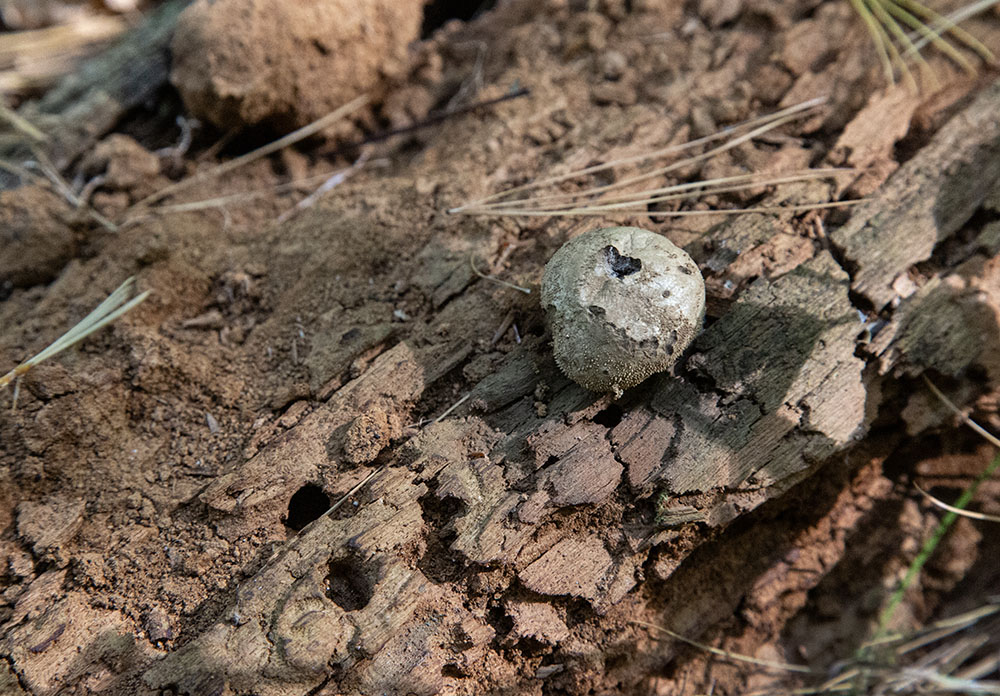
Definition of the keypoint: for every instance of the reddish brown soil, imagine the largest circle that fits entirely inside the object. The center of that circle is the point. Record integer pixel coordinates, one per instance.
(118, 543)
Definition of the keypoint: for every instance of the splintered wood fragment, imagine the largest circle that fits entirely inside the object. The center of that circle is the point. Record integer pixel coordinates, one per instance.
(574, 567)
(928, 199)
(783, 350)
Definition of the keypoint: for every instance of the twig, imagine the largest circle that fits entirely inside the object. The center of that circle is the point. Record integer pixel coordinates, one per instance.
(283, 142)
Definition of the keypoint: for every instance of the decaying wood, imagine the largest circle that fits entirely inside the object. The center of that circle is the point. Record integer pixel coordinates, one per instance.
(505, 509)
(943, 185)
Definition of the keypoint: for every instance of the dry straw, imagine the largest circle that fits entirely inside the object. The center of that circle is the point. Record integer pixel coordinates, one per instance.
(542, 198)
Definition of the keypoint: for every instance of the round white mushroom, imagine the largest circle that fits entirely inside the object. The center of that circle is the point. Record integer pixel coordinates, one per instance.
(622, 303)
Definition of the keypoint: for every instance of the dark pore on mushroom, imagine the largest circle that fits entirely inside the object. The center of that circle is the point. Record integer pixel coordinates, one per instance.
(620, 266)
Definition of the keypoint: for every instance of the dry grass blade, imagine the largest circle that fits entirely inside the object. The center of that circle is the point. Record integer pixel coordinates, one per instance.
(36, 44)
(472, 264)
(946, 627)
(990, 437)
(357, 487)
(21, 172)
(63, 188)
(950, 658)
(116, 304)
(914, 680)
(447, 412)
(981, 668)
(36, 58)
(21, 124)
(329, 183)
(242, 197)
(958, 511)
(525, 200)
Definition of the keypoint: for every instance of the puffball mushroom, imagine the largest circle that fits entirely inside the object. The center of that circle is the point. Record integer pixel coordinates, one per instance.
(622, 303)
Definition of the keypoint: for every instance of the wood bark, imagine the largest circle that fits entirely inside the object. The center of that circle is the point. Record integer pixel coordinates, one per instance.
(505, 508)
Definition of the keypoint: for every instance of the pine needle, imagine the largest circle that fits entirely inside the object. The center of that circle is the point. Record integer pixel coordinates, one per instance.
(768, 122)
(604, 199)
(499, 281)
(263, 151)
(116, 304)
(884, 20)
(769, 664)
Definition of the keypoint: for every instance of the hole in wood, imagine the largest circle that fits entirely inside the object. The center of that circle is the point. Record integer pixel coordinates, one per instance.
(348, 585)
(306, 504)
(609, 416)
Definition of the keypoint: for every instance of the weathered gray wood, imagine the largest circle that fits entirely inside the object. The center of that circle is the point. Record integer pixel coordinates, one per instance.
(537, 504)
(926, 201)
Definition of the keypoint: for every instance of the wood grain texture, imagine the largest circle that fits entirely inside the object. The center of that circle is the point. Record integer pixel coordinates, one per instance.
(503, 504)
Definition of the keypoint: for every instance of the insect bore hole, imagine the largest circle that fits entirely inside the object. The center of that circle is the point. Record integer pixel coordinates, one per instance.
(620, 265)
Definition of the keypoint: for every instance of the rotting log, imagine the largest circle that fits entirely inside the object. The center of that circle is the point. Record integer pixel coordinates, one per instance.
(489, 526)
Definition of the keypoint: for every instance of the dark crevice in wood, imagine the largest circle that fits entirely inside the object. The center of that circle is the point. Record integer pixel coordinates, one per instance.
(438, 561)
(306, 505)
(348, 583)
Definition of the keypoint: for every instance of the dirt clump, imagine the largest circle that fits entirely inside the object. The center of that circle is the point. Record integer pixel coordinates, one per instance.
(239, 63)
(125, 166)
(36, 238)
